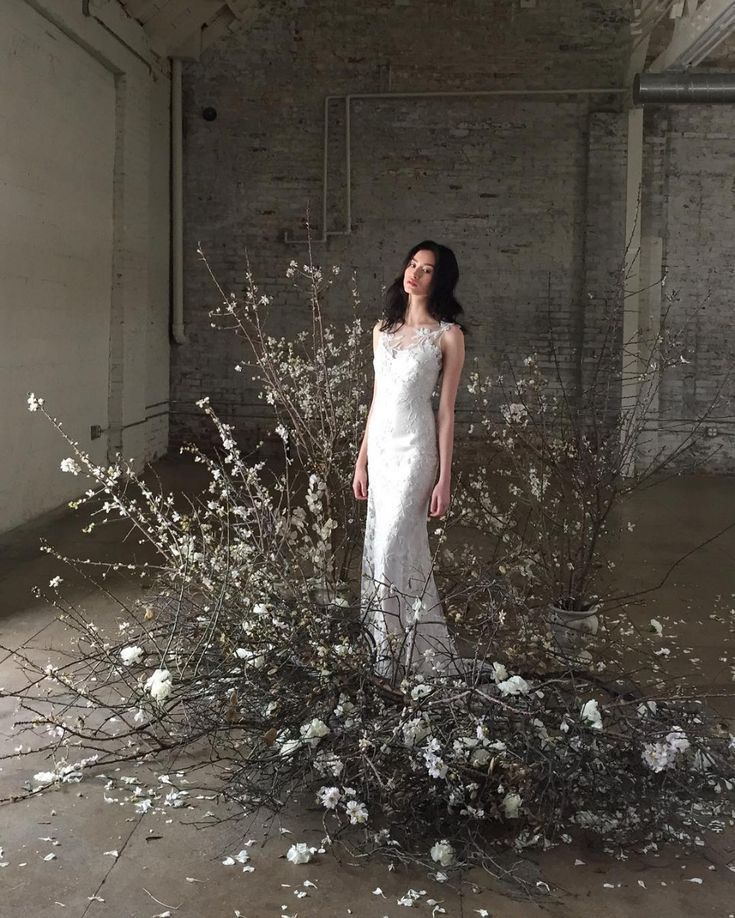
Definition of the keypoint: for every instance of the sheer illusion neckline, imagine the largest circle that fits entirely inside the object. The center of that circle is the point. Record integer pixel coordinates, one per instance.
(409, 336)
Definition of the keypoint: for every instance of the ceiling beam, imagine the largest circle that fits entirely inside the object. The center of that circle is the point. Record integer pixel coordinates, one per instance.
(699, 30)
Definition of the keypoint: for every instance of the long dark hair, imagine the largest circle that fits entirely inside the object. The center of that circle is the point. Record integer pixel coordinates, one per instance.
(443, 304)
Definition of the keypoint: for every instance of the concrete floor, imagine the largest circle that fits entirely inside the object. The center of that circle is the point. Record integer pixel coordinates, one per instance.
(168, 866)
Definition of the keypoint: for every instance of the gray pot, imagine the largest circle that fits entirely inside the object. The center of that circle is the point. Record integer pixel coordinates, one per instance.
(571, 631)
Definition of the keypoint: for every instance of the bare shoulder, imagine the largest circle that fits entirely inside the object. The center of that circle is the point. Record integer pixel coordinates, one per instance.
(376, 334)
(453, 336)
(453, 330)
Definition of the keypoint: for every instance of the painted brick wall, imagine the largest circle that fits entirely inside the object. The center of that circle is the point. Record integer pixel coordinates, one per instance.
(502, 180)
(528, 190)
(84, 250)
(690, 181)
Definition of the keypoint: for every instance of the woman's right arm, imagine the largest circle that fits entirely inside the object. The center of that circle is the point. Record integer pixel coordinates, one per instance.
(359, 484)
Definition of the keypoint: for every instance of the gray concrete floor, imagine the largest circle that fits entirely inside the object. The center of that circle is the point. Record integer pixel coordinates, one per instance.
(167, 865)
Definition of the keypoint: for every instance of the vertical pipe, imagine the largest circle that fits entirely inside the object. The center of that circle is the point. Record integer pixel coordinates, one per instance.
(177, 205)
(348, 167)
(630, 383)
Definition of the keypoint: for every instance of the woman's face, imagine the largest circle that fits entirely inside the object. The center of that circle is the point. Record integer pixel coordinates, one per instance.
(419, 274)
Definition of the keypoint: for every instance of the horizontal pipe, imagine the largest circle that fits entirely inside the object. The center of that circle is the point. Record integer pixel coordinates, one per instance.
(424, 94)
(674, 88)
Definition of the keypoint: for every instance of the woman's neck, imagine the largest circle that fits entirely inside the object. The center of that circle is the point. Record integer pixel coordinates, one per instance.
(418, 314)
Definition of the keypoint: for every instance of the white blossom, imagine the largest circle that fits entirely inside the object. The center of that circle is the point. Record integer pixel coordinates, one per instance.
(356, 811)
(590, 714)
(516, 685)
(289, 746)
(511, 805)
(55, 582)
(500, 673)
(253, 658)
(70, 465)
(314, 731)
(132, 654)
(34, 403)
(415, 731)
(677, 740)
(443, 853)
(328, 763)
(329, 797)
(514, 413)
(300, 853)
(420, 691)
(657, 756)
(159, 685)
(46, 777)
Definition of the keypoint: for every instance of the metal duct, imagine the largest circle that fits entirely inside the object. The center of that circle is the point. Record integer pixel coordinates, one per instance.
(671, 88)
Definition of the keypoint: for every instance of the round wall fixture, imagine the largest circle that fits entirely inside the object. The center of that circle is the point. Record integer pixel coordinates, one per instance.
(209, 113)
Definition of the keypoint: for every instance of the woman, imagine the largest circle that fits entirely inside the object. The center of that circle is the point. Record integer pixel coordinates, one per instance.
(404, 465)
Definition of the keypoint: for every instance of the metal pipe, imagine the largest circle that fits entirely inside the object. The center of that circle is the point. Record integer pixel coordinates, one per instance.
(672, 88)
(407, 95)
(177, 206)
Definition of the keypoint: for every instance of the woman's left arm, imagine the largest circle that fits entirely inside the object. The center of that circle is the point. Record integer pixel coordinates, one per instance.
(453, 360)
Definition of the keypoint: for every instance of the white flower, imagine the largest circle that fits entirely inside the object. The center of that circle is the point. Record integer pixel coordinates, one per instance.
(159, 685)
(132, 654)
(500, 673)
(55, 582)
(142, 806)
(411, 897)
(45, 777)
(657, 756)
(314, 731)
(329, 797)
(415, 731)
(253, 658)
(420, 690)
(242, 857)
(69, 465)
(479, 758)
(443, 853)
(329, 763)
(260, 609)
(34, 403)
(174, 798)
(290, 746)
(511, 804)
(356, 811)
(677, 740)
(300, 853)
(516, 685)
(515, 412)
(418, 608)
(590, 714)
(435, 765)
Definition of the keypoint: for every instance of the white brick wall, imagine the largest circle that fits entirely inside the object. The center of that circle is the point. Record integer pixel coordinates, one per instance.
(529, 191)
(83, 249)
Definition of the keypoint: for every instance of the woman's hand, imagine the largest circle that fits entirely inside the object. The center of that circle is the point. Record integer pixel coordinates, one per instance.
(439, 499)
(360, 482)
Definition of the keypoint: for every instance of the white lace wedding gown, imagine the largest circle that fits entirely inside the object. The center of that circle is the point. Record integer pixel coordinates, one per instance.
(399, 600)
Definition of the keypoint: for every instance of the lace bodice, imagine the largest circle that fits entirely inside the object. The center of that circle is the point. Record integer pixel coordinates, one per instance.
(410, 360)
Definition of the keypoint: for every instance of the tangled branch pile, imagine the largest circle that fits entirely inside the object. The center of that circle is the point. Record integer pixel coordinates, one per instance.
(250, 641)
